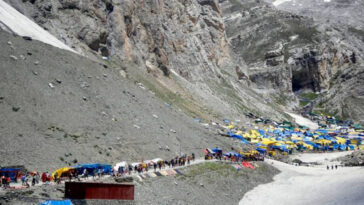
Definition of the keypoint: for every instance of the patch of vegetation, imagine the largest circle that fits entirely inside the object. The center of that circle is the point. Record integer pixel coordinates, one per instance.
(303, 103)
(281, 100)
(357, 32)
(62, 159)
(309, 95)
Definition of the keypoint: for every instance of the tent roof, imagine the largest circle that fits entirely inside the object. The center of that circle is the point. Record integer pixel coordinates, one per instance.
(54, 202)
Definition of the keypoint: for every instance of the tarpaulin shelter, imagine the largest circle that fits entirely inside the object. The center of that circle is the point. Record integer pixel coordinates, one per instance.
(62, 171)
(233, 154)
(10, 172)
(92, 167)
(216, 149)
(55, 202)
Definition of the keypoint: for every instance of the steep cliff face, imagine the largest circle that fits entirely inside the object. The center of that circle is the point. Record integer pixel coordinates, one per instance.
(286, 52)
(179, 45)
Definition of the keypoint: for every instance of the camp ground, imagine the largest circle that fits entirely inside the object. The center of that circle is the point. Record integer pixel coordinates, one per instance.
(284, 139)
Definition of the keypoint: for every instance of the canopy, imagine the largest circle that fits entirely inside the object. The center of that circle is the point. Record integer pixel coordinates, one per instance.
(54, 202)
(91, 167)
(233, 154)
(10, 172)
(61, 171)
(120, 164)
(156, 160)
(216, 149)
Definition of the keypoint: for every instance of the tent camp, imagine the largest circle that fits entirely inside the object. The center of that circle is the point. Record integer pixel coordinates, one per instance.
(11, 172)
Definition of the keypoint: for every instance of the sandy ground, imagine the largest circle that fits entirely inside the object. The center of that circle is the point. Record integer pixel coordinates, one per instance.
(311, 185)
(303, 121)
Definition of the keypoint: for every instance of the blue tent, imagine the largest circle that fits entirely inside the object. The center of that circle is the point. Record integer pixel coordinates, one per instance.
(312, 143)
(92, 167)
(54, 202)
(10, 172)
(261, 150)
(216, 149)
(232, 154)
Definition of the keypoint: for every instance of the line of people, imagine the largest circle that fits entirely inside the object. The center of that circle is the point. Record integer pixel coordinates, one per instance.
(332, 167)
(162, 164)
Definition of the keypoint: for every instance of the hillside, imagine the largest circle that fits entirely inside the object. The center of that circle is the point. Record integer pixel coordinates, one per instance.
(58, 108)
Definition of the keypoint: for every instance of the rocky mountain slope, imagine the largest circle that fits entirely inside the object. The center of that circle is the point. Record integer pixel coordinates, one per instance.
(59, 109)
(180, 44)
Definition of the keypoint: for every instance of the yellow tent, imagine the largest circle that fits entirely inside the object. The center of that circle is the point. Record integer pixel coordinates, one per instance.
(323, 142)
(61, 171)
(340, 140)
(254, 133)
(289, 142)
(230, 126)
(239, 132)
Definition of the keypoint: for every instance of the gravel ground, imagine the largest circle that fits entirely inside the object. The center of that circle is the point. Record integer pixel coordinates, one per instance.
(205, 183)
(58, 108)
(208, 183)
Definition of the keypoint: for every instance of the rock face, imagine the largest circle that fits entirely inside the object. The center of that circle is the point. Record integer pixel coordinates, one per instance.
(354, 159)
(289, 52)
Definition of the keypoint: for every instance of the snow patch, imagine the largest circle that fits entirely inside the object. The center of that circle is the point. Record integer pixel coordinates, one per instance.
(233, 16)
(23, 26)
(279, 2)
(292, 38)
(304, 121)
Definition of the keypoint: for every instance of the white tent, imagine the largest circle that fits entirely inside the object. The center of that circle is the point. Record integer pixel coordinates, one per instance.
(120, 164)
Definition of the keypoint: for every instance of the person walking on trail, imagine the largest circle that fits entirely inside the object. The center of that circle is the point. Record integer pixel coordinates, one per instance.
(327, 167)
(335, 166)
(48, 179)
(155, 167)
(193, 156)
(23, 180)
(99, 172)
(44, 177)
(85, 173)
(130, 168)
(56, 177)
(8, 180)
(33, 180)
(37, 178)
(332, 167)
(3, 181)
(94, 174)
